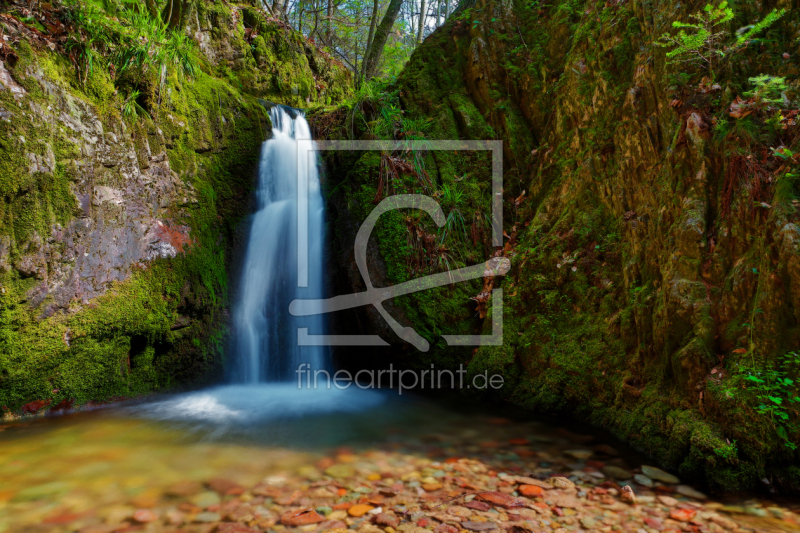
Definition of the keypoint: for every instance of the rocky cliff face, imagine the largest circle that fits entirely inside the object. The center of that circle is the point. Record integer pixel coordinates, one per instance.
(117, 232)
(651, 226)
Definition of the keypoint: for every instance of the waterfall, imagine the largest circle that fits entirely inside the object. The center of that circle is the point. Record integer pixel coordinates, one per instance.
(266, 347)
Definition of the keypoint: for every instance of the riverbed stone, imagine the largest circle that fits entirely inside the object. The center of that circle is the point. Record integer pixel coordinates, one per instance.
(658, 474)
(691, 492)
(339, 471)
(616, 472)
(205, 499)
(581, 455)
(207, 517)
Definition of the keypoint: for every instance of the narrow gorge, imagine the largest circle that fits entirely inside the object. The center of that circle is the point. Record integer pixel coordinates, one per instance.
(149, 241)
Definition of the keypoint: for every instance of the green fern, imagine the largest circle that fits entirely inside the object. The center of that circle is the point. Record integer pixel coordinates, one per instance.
(701, 43)
(767, 89)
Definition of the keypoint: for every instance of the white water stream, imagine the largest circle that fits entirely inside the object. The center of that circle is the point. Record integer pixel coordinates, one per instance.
(266, 334)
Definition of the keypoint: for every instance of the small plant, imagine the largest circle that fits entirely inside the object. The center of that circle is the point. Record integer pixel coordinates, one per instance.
(767, 89)
(452, 195)
(702, 42)
(775, 394)
(729, 452)
(131, 108)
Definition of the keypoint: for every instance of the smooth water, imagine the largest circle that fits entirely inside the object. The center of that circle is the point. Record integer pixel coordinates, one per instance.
(266, 347)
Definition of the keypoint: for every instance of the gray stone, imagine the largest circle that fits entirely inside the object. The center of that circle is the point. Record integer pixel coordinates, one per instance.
(686, 490)
(658, 474)
(205, 499)
(616, 472)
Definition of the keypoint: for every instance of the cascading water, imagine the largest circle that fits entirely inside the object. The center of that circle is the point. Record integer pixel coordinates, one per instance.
(266, 350)
(266, 334)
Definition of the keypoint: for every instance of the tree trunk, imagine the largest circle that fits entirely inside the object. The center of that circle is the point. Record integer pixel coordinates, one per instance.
(328, 32)
(152, 8)
(438, 13)
(421, 21)
(446, 9)
(381, 34)
(373, 21)
(172, 14)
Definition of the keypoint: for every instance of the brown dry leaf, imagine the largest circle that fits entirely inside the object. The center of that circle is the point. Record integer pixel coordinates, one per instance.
(740, 108)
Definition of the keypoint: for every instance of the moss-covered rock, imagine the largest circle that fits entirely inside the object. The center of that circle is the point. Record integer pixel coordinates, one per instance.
(647, 242)
(117, 232)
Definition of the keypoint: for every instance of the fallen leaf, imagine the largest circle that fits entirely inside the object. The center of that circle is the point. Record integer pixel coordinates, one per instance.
(740, 108)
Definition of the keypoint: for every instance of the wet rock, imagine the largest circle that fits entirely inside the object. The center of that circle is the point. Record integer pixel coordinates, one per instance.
(653, 523)
(669, 501)
(235, 528)
(479, 526)
(359, 510)
(144, 516)
(658, 474)
(686, 490)
(302, 517)
(561, 483)
(643, 480)
(339, 471)
(616, 472)
(682, 515)
(183, 489)
(207, 516)
(531, 490)
(445, 528)
(386, 519)
(225, 487)
(627, 495)
(46, 490)
(559, 499)
(580, 455)
(205, 499)
(309, 472)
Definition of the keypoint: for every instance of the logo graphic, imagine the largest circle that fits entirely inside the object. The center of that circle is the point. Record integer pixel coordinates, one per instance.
(376, 296)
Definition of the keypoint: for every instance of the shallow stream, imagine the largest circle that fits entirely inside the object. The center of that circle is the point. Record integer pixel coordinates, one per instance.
(92, 471)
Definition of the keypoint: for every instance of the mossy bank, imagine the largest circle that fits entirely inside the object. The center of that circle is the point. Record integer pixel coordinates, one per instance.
(651, 227)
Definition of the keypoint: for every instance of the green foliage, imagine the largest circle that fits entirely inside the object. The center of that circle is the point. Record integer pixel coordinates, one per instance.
(147, 43)
(701, 42)
(133, 43)
(131, 108)
(767, 89)
(773, 393)
(729, 452)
